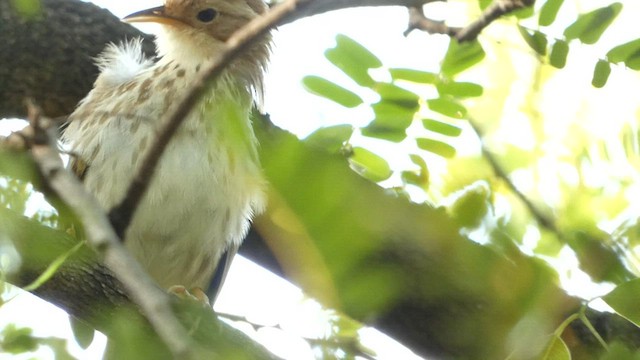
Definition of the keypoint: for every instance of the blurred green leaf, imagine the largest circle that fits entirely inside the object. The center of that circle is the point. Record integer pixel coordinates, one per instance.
(624, 300)
(28, 9)
(448, 107)
(460, 57)
(391, 121)
(471, 206)
(82, 332)
(559, 52)
(601, 73)
(628, 53)
(441, 127)
(548, 244)
(374, 130)
(330, 138)
(556, 350)
(589, 27)
(15, 194)
(418, 178)
(392, 114)
(416, 76)
(619, 351)
(15, 340)
(535, 39)
(53, 267)
(353, 59)
(370, 165)
(329, 90)
(524, 12)
(436, 147)
(59, 348)
(599, 260)
(484, 3)
(395, 94)
(549, 11)
(459, 89)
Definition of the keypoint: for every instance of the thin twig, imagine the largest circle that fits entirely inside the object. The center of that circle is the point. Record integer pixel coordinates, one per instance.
(540, 217)
(497, 9)
(418, 20)
(152, 300)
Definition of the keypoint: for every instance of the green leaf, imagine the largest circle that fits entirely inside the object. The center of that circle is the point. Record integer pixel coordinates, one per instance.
(391, 114)
(556, 350)
(370, 165)
(601, 73)
(460, 57)
(436, 147)
(418, 178)
(441, 127)
(374, 130)
(17, 340)
(590, 26)
(624, 300)
(618, 350)
(524, 13)
(82, 332)
(549, 11)
(416, 76)
(599, 259)
(559, 52)
(484, 3)
(447, 107)
(459, 89)
(391, 121)
(330, 138)
(327, 89)
(51, 270)
(629, 53)
(353, 59)
(28, 9)
(536, 40)
(397, 95)
(469, 209)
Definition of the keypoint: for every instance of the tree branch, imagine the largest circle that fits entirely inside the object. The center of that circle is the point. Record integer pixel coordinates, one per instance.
(537, 214)
(418, 20)
(497, 9)
(122, 213)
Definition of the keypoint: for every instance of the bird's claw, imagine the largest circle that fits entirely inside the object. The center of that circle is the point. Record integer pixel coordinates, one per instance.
(193, 294)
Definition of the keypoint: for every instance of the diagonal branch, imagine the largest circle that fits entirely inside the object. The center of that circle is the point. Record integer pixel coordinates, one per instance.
(540, 217)
(122, 214)
(283, 13)
(153, 301)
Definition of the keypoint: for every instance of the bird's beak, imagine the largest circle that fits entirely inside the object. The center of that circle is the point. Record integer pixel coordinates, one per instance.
(156, 14)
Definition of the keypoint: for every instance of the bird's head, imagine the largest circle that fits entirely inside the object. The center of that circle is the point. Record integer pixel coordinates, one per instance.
(194, 30)
(200, 26)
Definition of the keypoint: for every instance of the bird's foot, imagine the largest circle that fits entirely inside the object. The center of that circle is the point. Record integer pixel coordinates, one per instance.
(194, 294)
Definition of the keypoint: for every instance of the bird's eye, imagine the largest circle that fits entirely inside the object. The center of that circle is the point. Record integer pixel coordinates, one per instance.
(207, 15)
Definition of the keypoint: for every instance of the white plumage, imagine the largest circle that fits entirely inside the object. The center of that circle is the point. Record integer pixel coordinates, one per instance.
(208, 184)
(119, 64)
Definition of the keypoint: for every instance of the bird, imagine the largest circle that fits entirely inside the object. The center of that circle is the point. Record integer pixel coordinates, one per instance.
(208, 184)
